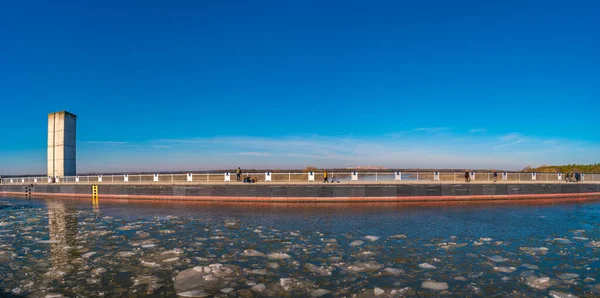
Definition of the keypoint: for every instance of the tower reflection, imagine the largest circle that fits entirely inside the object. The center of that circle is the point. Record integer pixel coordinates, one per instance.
(62, 224)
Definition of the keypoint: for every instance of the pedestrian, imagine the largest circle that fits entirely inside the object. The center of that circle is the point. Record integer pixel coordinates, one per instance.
(495, 176)
(325, 177)
(467, 176)
(577, 177)
(571, 176)
(238, 174)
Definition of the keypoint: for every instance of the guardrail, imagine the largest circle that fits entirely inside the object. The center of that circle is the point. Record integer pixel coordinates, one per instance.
(301, 177)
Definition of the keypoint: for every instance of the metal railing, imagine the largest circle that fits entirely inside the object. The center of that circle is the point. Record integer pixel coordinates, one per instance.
(351, 176)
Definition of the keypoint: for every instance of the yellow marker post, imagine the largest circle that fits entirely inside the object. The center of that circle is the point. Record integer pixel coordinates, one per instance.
(94, 194)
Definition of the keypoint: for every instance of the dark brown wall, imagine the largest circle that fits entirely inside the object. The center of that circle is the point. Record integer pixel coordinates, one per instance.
(319, 190)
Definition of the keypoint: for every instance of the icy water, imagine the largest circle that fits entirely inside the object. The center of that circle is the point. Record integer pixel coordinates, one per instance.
(72, 248)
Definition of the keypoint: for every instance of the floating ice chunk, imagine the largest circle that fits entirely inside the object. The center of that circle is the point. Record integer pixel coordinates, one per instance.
(319, 270)
(565, 276)
(450, 245)
(319, 293)
(150, 264)
(259, 288)
(497, 259)
(485, 239)
(595, 244)
(148, 245)
(53, 295)
(98, 271)
(88, 255)
(475, 290)
(394, 271)
(125, 254)
(279, 256)
(356, 243)
(259, 271)
(556, 294)
(426, 266)
(193, 293)
(562, 240)
(530, 266)
(127, 228)
(150, 281)
(505, 269)
(399, 236)
(55, 273)
(540, 283)
(535, 250)
(581, 238)
(272, 265)
(170, 260)
(48, 241)
(232, 224)
(434, 285)
(378, 291)
(227, 290)
(252, 253)
(372, 238)
(176, 251)
(142, 234)
(364, 267)
(286, 283)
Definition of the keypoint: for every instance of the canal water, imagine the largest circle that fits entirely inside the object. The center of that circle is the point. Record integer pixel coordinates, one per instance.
(73, 248)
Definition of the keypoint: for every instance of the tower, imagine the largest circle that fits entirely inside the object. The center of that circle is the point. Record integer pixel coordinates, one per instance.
(61, 144)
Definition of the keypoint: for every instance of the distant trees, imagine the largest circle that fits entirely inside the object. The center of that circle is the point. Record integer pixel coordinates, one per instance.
(310, 169)
(593, 168)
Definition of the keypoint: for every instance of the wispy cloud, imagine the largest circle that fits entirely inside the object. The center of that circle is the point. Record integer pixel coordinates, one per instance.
(477, 130)
(431, 129)
(105, 142)
(511, 139)
(257, 154)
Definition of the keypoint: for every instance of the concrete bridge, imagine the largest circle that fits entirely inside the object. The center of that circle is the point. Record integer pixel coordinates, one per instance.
(309, 192)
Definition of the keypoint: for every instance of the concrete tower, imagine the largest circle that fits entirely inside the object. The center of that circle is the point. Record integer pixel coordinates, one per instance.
(61, 144)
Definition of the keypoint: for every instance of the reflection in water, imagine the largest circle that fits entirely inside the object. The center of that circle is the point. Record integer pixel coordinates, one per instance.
(62, 225)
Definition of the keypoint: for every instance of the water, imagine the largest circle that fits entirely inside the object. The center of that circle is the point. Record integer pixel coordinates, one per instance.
(133, 249)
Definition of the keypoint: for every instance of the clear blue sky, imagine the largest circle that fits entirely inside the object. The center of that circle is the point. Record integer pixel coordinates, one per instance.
(190, 85)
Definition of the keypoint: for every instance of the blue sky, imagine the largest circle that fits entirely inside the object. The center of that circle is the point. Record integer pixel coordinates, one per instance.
(192, 85)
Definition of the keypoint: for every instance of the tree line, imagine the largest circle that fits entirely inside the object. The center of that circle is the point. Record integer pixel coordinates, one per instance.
(594, 168)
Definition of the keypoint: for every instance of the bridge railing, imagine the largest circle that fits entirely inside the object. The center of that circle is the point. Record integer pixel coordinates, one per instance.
(282, 177)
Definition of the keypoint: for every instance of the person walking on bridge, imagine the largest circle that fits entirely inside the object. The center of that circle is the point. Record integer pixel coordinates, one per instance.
(325, 177)
(495, 176)
(467, 176)
(238, 174)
